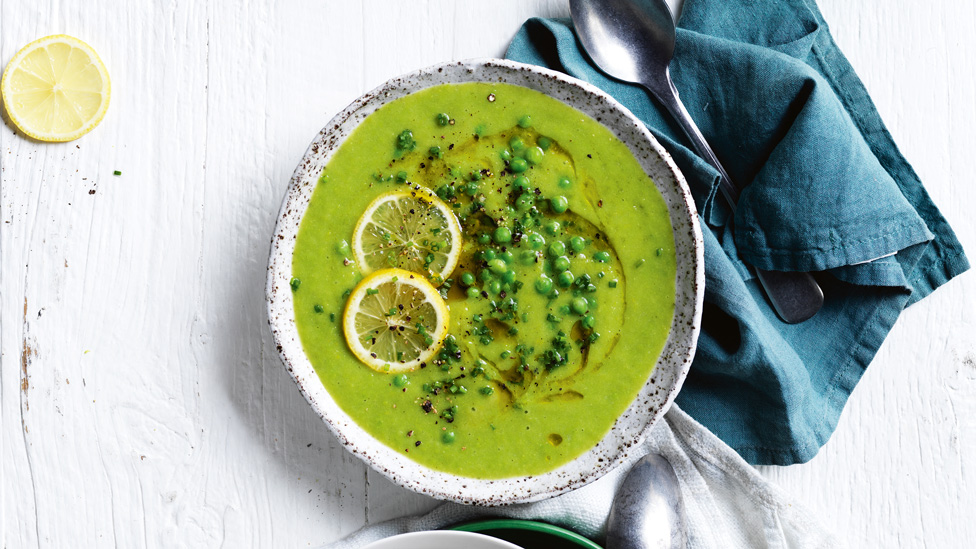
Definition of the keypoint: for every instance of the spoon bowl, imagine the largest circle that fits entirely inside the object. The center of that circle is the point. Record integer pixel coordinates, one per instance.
(629, 40)
(647, 511)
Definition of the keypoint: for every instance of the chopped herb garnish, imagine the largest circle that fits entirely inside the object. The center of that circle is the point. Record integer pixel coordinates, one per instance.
(405, 142)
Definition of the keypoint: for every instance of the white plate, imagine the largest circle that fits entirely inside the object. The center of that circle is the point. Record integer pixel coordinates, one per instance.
(441, 539)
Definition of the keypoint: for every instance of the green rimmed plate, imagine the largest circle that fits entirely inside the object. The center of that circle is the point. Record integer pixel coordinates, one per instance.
(528, 533)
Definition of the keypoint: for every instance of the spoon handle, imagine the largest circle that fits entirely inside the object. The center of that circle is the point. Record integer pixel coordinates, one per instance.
(795, 296)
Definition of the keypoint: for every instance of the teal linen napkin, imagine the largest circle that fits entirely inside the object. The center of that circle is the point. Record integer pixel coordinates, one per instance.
(827, 192)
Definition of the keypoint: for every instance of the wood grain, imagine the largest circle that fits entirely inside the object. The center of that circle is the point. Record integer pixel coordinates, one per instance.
(142, 403)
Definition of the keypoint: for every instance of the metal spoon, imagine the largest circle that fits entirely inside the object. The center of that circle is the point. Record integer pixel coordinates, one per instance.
(647, 511)
(633, 41)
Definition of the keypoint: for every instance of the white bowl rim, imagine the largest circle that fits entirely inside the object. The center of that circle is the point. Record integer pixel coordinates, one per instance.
(655, 396)
(440, 537)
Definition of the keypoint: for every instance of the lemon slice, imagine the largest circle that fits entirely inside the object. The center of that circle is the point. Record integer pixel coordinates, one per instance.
(56, 88)
(395, 320)
(412, 230)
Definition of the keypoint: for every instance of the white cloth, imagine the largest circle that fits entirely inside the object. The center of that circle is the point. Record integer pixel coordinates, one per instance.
(727, 502)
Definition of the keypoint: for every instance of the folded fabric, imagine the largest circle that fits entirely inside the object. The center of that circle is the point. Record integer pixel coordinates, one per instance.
(826, 191)
(727, 502)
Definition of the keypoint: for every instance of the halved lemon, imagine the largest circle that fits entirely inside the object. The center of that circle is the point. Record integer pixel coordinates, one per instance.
(395, 320)
(408, 229)
(56, 88)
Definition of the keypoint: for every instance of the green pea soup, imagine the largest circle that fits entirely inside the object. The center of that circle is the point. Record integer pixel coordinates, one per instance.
(561, 300)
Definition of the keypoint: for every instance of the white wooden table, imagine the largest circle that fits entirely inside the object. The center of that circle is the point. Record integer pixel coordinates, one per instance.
(143, 403)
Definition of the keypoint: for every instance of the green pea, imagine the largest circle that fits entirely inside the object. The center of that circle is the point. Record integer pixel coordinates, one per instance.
(502, 235)
(525, 121)
(295, 283)
(543, 284)
(497, 266)
(474, 175)
(524, 202)
(577, 243)
(443, 119)
(521, 182)
(564, 182)
(559, 204)
(536, 241)
(591, 288)
(488, 255)
(505, 155)
(534, 155)
(467, 279)
(508, 277)
(553, 228)
(545, 143)
(527, 257)
(601, 256)
(565, 279)
(516, 143)
(518, 165)
(400, 380)
(588, 322)
(484, 238)
(343, 247)
(579, 305)
(494, 287)
(528, 221)
(448, 437)
(557, 249)
(473, 292)
(507, 256)
(560, 264)
(484, 275)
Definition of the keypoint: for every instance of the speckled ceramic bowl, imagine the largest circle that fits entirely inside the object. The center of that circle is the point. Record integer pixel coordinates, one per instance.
(655, 396)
